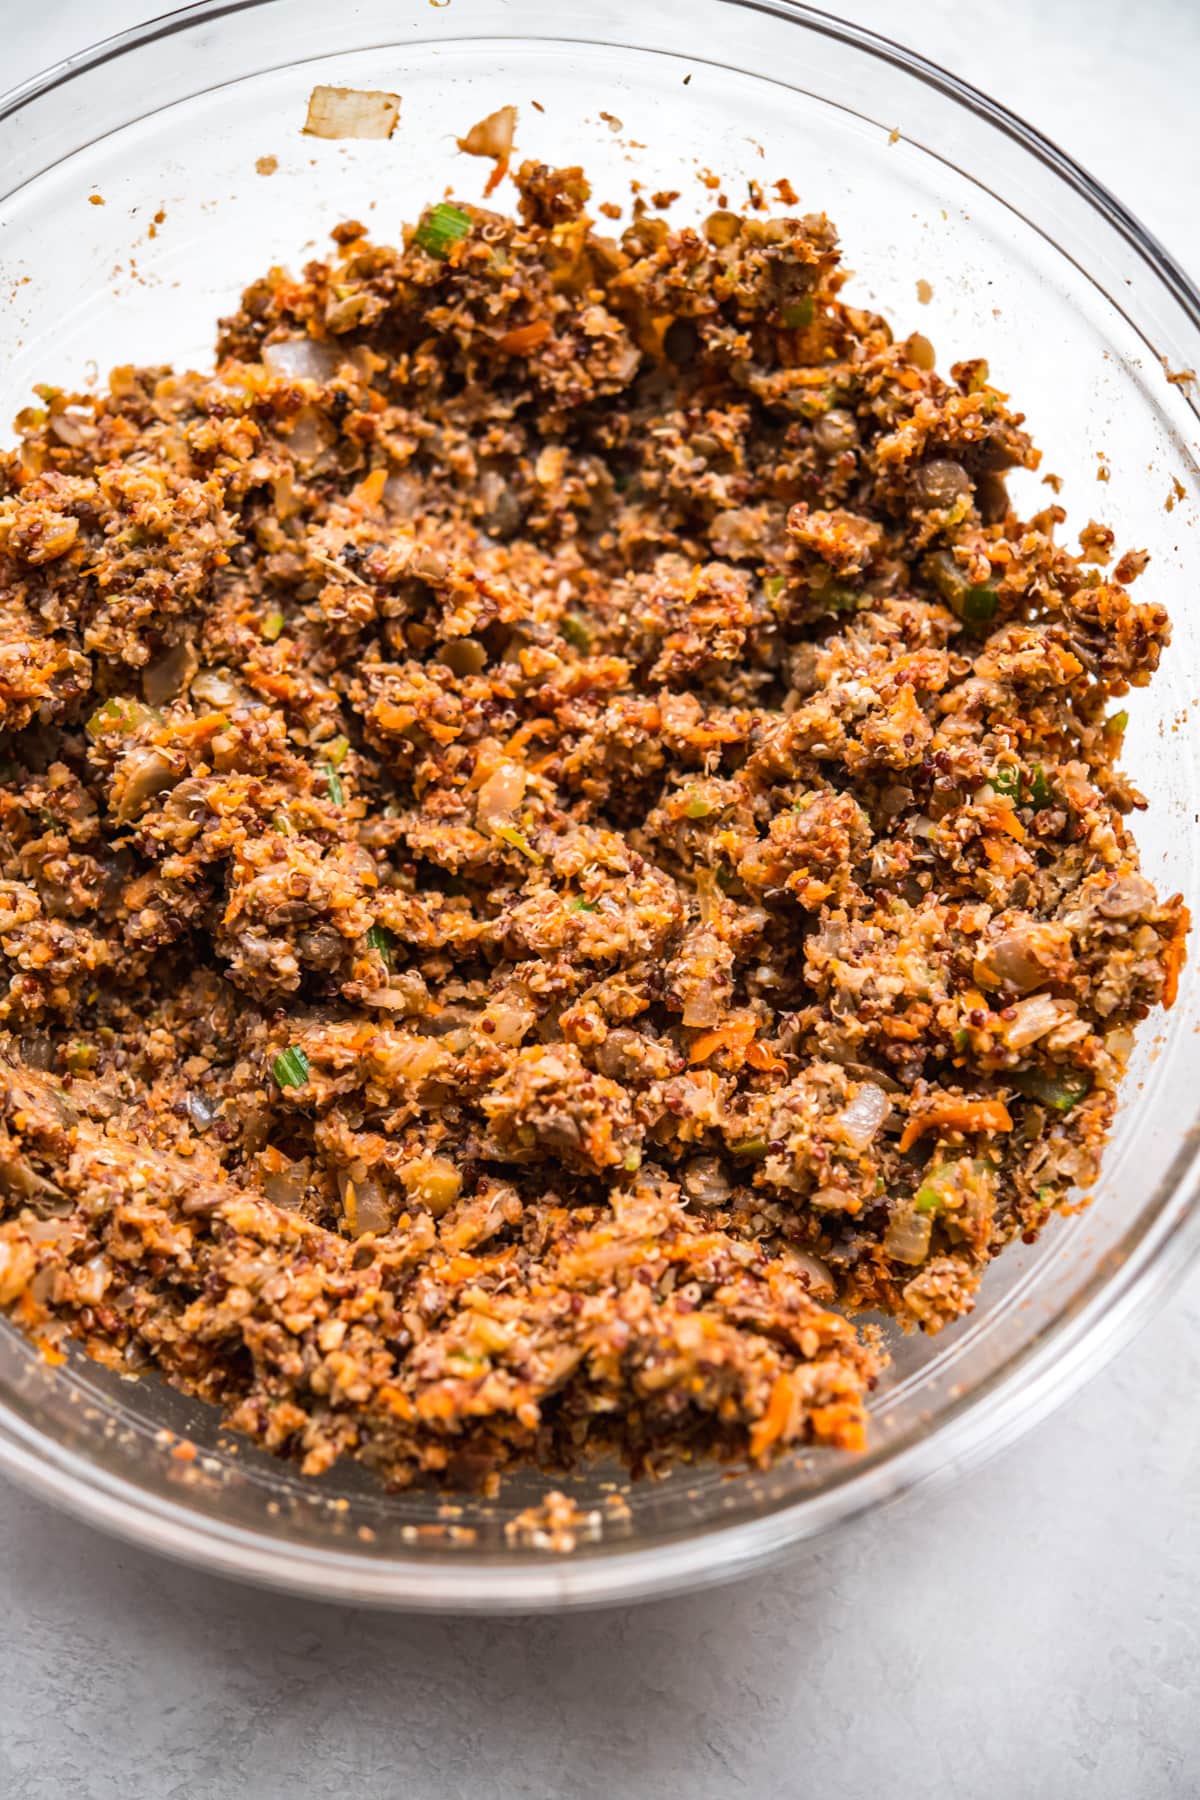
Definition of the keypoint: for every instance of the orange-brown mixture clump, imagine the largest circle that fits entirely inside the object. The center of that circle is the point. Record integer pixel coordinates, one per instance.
(558, 839)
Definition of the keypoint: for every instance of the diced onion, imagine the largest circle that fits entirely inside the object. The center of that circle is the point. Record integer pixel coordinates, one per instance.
(363, 1202)
(907, 1237)
(492, 136)
(338, 112)
(501, 794)
(286, 1187)
(860, 1120)
(820, 1281)
(1033, 1018)
(301, 359)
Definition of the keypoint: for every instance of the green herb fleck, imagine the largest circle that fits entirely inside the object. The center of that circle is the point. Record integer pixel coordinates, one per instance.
(574, 628)
(978, 604)
(582, 905)
(773, 585)
(697, 807)
(121, 714)
(799, 313)
(1040, 791)
(337, 792)
(291, 1067)
(1062, 1092)
(441, 227)
(973, 602)
(755, 1148)
(1007, 782)
(336, 751)
(272, 626)
(508, 834)
(380, 940)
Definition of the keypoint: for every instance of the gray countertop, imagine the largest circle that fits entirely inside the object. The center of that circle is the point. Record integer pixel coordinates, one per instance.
(1031, 1632)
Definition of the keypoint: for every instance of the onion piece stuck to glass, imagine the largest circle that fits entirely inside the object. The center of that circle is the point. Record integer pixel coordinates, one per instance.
(338, 112)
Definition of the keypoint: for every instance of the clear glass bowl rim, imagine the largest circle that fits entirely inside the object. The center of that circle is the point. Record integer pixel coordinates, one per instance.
(1092, 1325)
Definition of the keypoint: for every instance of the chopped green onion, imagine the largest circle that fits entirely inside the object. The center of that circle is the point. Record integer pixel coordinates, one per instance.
(1007, 782)
(121, 714)
(583, 905)
(973, 602)
(833, 594)
(291, 1067)
(931, 1195)
(1062, 1092)
(337, 792)
(380, 940)
(81, 1057)
(1116, 725)
(1040, 791)
(773, 585)
(574, 628)
(508, 834)
(336, 750)
(697, 807)
(442, 226)
(961, 1038)
(272, 626)
(978, 604)
(753, 1147)
(799, 313)
(633, 1161)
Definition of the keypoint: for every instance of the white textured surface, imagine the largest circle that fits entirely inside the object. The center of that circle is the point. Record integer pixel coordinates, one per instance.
(1031, 1635)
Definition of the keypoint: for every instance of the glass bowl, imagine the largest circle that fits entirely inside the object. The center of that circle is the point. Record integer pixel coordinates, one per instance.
(136, 209)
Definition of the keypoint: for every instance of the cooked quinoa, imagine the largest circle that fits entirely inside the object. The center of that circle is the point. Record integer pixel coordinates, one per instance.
(560, 840)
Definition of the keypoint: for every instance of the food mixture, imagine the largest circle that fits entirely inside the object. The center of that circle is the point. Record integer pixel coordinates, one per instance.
(560, 842)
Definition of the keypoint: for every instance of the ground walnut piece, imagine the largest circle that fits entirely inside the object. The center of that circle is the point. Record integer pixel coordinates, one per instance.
(560, 839)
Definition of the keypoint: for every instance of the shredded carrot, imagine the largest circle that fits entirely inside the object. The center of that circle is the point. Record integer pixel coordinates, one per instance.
(532, 728)
(1005, 817)
(524, 338)
(761, 1057)
(369, 491)
(1174, 955)
(269, 681)
(842, 1424)
(1003, 855)
(392, 717)
(499, 171)
(774, 1422)
(956, 1115)
(734, 1035)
